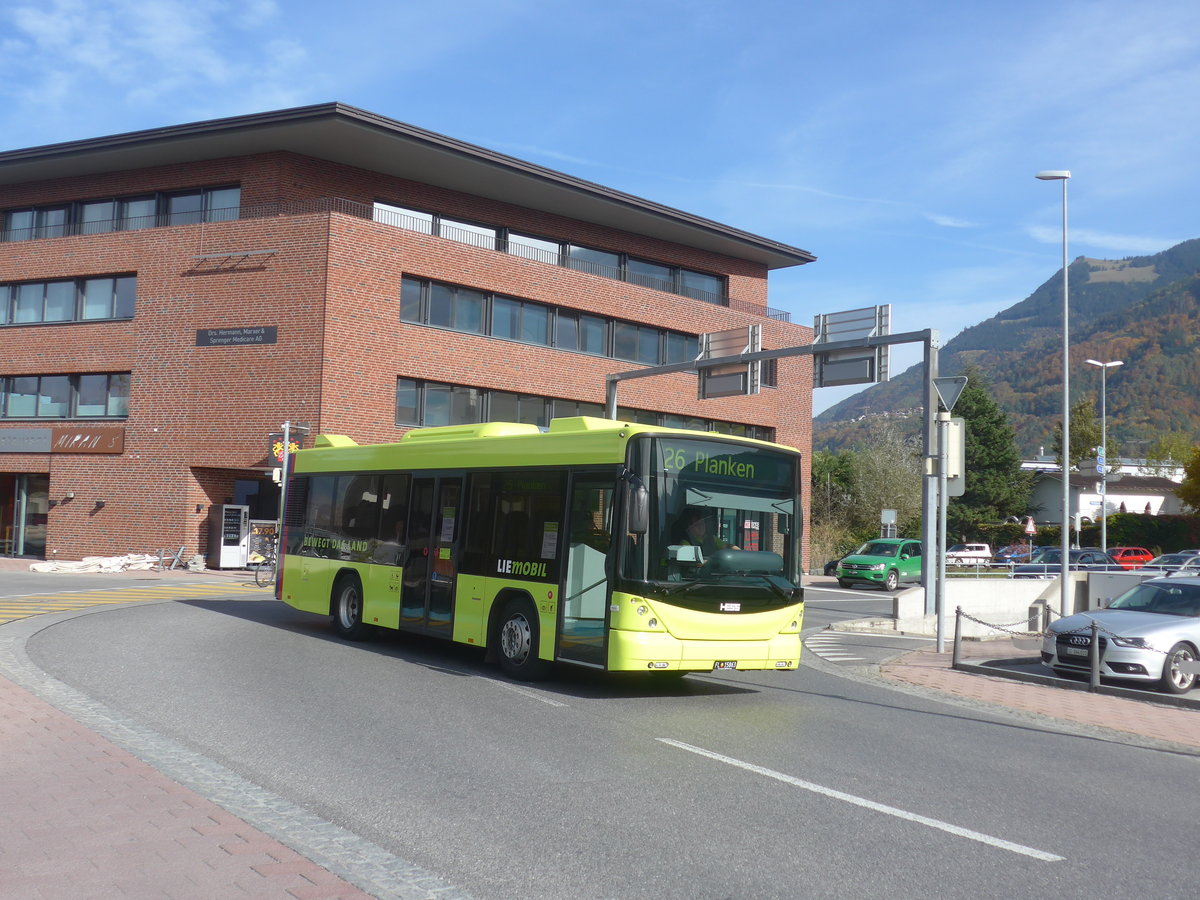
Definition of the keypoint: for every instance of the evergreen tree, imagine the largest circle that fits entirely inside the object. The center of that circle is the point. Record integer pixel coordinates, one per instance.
(996, 486)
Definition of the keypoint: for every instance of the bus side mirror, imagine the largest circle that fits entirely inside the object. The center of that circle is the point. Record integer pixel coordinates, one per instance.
(785, 524)
(639, 508)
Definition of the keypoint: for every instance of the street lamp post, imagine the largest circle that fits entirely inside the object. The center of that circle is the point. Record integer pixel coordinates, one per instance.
(1104, 367)
(1064, 175)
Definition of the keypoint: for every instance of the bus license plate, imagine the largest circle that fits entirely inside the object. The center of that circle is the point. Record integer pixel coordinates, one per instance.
(727, 664)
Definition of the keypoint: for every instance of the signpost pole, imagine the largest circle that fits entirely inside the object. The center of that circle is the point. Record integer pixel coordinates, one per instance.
(283, 479)
(943, 422)
(948, 390)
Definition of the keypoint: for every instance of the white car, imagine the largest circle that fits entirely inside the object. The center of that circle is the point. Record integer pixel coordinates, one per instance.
(1150, 634)
(969, 555)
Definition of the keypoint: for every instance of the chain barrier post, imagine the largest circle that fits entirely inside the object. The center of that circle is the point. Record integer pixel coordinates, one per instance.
(1094, 654)
(958, 614)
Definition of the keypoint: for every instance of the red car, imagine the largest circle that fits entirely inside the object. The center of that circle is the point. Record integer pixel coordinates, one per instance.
(1130, 557)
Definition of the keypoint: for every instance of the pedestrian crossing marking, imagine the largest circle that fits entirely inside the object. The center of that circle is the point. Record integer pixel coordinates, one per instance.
(26, 605)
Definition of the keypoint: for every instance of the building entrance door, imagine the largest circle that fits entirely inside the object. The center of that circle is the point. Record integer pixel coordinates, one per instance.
(24, 508)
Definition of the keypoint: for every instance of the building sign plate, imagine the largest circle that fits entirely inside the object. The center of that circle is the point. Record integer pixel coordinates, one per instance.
(25, 440)
(237, 337)
(64, 439)
(88, 439)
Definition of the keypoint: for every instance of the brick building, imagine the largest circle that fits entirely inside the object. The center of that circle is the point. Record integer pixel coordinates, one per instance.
(169, 297)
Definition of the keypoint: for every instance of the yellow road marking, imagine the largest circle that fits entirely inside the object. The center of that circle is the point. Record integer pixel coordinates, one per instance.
(12, 608)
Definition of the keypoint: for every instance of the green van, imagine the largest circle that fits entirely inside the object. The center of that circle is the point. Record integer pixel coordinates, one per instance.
(884, 561)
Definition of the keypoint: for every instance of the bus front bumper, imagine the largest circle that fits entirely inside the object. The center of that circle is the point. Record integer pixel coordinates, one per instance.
(641, 651)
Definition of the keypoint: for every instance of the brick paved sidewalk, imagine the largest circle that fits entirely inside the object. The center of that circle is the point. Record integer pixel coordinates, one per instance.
(82, 818)
(930, 669)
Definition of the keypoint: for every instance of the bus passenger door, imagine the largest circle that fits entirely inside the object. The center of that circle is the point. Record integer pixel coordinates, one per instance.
(427, 596)
(584, 593)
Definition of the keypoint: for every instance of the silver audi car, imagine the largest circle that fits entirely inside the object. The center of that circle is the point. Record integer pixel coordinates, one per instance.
(1150, 634)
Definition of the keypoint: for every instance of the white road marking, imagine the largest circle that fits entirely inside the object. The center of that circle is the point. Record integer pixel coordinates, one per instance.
(868, 804)
(524, 692)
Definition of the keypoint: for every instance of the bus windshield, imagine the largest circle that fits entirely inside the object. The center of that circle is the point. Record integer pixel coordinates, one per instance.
(720, 514)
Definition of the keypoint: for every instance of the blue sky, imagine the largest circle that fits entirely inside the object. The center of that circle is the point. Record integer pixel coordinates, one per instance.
(896, 141)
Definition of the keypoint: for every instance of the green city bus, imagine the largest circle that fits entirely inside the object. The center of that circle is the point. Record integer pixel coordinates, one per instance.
(564, 544)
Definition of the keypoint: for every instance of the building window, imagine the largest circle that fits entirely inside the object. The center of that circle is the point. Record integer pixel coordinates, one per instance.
(770, 373)
(102, 395)
(424, 302)
(520, 320)
(605, 263)
(530, 247)
(700, 286)
(214, 204)
(636, 343)
(460, 309)
(134, 213)
(596, 262)
(681, 348)
(92, 396)
(68, 300)
(467, 233)
(18, 225)
(97, 216)
(580, 332)
(650, 274)
(50, 222)
(563, 409)
(429, 403)
(403, 217)
(525, 408)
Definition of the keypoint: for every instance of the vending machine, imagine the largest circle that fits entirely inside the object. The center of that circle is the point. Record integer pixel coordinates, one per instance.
(228, 536)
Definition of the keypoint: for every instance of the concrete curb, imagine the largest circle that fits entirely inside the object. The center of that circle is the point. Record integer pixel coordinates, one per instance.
(996, 669)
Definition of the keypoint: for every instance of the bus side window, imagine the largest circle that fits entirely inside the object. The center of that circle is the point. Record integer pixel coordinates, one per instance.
(360, 505)
(393, 508)
(479, 528)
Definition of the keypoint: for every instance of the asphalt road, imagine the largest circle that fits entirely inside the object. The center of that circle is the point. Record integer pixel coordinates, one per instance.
(748, 784)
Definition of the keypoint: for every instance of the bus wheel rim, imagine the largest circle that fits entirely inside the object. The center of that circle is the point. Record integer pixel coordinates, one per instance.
(349, 607)
(516, 638)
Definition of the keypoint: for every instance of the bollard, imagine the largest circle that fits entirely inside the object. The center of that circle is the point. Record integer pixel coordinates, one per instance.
(957, 636)
(1094, 657)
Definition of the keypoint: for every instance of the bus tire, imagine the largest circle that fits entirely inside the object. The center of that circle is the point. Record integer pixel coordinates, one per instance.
(517, 640)
(348, 609)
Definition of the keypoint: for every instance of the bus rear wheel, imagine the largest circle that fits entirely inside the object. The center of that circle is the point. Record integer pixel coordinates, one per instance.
(348, 609)
(517, 638)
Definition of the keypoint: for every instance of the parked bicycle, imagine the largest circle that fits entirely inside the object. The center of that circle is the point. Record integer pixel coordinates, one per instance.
(264, 564)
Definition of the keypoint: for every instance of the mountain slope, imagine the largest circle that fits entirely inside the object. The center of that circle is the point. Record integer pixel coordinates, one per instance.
(1143, 310)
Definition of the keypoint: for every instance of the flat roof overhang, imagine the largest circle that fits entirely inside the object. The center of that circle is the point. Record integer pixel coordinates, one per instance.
(355, 137)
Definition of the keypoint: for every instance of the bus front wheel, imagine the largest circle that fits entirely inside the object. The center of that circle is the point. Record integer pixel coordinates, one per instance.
(348, 609)
(517, 640)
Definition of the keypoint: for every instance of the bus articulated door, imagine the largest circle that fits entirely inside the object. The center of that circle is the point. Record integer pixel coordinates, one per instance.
(427, 596)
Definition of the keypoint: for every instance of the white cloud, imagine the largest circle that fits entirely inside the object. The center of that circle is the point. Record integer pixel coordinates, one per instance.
(157, 56)
(948, 221)
(1119, 244)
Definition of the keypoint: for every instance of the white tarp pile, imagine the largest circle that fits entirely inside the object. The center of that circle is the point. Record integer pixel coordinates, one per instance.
(128, 563)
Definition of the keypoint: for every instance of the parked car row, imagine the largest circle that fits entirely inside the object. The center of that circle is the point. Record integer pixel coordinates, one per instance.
(890, 562)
